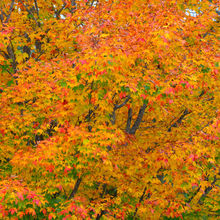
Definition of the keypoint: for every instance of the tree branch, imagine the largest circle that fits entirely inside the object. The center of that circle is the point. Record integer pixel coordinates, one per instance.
(113, 116)
(207, 190)
(73, 4)
(122, 104)
(140, 200)
(58, 12)
(10, 11)
(9, 14)
(190, 199)
(36, 7)
(75, 189)
(103, 212)
(30, 12)
(11, 54)
(138, 120)
(1, 17)
(179, 120)
(128, 126)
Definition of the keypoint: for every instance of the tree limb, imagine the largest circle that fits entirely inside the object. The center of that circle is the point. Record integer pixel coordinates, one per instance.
(207, 190)
(113, 115)
(190, 199)
(10, 11)
(59, 11)
(138, 120)
(75, 189)
(103, 212)
(179, 120)
(36, 7)
(29, 11)
(122, 104)
(128, 126)
(140, 200)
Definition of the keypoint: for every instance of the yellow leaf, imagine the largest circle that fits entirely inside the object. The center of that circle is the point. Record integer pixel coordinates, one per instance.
(40, 131)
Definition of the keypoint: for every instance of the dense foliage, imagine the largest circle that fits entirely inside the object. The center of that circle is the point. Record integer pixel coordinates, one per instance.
(109, 109)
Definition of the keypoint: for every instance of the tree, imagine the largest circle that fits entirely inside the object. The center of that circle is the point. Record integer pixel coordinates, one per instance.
(109, 109)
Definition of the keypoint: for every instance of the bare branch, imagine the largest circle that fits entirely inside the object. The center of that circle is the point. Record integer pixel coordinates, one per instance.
(10, 11)
(4, 54)
(179, 120)
(207, 190)
(1, 17)
(123, 104)
(128, 126)
(92, 2)
(103, 212)
(11, 55)
(58, 12)
(75, 189)
(113, 116)
(138, 120)
(29, 11)
(191, 198)
(7, 70)
(141, 199)
(36, 7)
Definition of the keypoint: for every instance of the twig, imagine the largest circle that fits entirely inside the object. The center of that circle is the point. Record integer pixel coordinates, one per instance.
(9, 14)
(29, 11)
(101, 214)
(58, 12)
(190, 199)
(10, 11)
(140, 200)
(186, 112)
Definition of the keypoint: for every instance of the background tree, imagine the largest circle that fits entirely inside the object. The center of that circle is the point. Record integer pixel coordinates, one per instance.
(109, 109)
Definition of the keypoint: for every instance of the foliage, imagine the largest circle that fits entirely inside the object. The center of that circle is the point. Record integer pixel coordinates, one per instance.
(109, 109)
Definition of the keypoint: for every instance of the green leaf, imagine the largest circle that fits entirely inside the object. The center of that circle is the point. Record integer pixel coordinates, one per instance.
(147, 87)
(11, 82)
(62, 83)
(138, 61)
(183, 85)
(101, 94)
(145, 101)
(205, 69)
(85, 141)
(81, 86)
(110, 62)
(125, 89)
(4, 67)
(78, 77)
(197, 127)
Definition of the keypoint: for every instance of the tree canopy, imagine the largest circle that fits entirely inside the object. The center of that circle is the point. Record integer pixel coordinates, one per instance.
(109, 109)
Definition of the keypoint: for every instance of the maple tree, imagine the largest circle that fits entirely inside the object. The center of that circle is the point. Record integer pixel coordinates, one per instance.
(109, 109)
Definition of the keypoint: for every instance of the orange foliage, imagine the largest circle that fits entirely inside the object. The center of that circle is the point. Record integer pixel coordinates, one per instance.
(109, 109)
